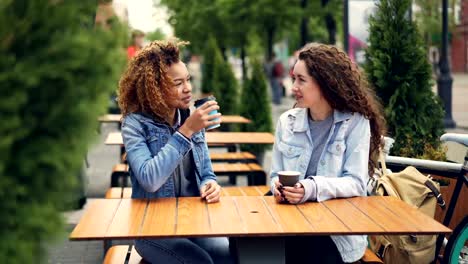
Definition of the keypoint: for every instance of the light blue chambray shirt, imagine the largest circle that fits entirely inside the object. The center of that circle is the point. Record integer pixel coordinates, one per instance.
(343, 165)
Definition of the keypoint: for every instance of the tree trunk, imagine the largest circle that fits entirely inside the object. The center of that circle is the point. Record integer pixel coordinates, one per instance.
(244, 66)
(304, 24)
(223, 52)
(330, 24)
(270, 39)
(331, 28)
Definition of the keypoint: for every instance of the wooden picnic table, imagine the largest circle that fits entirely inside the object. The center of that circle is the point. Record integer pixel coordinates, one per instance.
(257, 223)
(215, 138)
(228, 119)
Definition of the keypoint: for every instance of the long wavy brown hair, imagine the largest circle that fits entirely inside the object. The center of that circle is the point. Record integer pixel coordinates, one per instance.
(144, 86)
(346, 90)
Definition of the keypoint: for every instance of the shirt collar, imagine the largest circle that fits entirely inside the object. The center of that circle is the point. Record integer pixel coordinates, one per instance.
(301, 119)
(178, 120)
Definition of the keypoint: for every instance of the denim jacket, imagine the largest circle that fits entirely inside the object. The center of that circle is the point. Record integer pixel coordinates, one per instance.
(343, 167)
(153, 152)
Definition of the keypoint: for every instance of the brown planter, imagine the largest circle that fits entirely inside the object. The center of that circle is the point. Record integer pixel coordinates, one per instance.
(461, 209)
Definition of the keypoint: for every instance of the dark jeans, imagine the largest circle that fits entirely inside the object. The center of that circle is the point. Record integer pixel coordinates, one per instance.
(312, 249)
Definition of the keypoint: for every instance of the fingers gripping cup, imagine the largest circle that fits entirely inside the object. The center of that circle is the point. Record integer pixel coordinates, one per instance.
(200, 102)
(288, 178)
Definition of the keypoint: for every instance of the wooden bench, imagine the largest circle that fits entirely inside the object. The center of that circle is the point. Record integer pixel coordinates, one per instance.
(119, 254)
(126, 192)
(220, 157)
(254, 172)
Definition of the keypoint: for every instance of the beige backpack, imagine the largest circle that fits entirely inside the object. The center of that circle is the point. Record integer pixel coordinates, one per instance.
(419, 191)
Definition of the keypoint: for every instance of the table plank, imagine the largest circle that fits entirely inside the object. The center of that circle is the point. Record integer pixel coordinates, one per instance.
(110, 118)
(345, 211)
(192, 217)
(223, 219)
(388, 220)
(255, 216)
(128, 219)
(234, 119)
(115, 118)
(233, 191)
(323, 221)
(115, 138)
(413, 215)
(252, 191)
(240, 138)
(94, 223)
(161, 218)
(288, 216)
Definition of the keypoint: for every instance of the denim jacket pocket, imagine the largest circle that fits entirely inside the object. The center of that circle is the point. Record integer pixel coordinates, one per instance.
(290, 155)
(337, 148)
(336, 157)
(153, 142)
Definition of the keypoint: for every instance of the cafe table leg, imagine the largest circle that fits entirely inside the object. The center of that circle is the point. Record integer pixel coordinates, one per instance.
(259, 250)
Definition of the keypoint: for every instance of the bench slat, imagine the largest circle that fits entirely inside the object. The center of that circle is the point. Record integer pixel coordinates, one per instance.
(114, 193)
(116, 255)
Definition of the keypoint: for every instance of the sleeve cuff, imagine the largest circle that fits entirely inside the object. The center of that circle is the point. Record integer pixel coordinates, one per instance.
(205, 182)
(272, 185)
(186, 138)
(310, 189)
(181, 143)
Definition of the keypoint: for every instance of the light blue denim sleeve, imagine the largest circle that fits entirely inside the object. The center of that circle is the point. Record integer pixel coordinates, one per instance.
(207, 173)
(276, 162)
(353, 180)
(152, 172)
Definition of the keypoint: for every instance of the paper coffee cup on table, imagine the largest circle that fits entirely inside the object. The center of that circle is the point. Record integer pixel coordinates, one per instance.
(289, 178)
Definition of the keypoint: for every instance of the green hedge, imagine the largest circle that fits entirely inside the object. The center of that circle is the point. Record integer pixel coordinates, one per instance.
(225, 86)
(256, 106)
(56, 75)
(208, 66)
(398, 67)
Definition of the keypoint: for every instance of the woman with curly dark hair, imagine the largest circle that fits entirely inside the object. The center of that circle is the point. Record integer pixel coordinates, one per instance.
(333, 139)
(166, 147)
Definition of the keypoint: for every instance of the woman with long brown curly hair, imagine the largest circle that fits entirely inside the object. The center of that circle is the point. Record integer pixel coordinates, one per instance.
(166, 147)
(332, 139)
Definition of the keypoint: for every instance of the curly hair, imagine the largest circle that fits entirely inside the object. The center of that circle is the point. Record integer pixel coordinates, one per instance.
(144, 86)
(344, 88)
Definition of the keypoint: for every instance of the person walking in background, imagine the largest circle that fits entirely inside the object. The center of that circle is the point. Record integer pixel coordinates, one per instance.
(138, 38)
(275, 73)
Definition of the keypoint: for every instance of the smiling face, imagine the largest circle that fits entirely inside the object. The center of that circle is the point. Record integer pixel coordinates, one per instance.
(305, 88)
(180, 76)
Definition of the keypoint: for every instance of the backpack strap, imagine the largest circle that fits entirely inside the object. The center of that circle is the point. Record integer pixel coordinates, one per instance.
(437, 194)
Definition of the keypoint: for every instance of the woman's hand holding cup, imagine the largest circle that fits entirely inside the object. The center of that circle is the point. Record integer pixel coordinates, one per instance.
(201, 119)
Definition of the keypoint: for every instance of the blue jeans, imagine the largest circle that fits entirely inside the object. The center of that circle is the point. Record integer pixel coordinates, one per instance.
(185, 250)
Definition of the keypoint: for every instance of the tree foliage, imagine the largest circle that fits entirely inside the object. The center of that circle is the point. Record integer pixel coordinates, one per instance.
(209, 55)
(52, 90)
(255, 105)
(398, 68)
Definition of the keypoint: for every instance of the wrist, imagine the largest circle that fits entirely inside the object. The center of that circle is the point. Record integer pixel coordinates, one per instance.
(186, 131)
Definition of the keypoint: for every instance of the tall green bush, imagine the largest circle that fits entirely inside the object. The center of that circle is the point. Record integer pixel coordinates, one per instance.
(209, 53)
(398, 68)
(225, 86)
(56, 75)
(255, 105)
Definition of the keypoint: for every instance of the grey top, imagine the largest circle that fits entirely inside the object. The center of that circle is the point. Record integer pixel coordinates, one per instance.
(184, 178)
(319, 131)
(184, 175)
